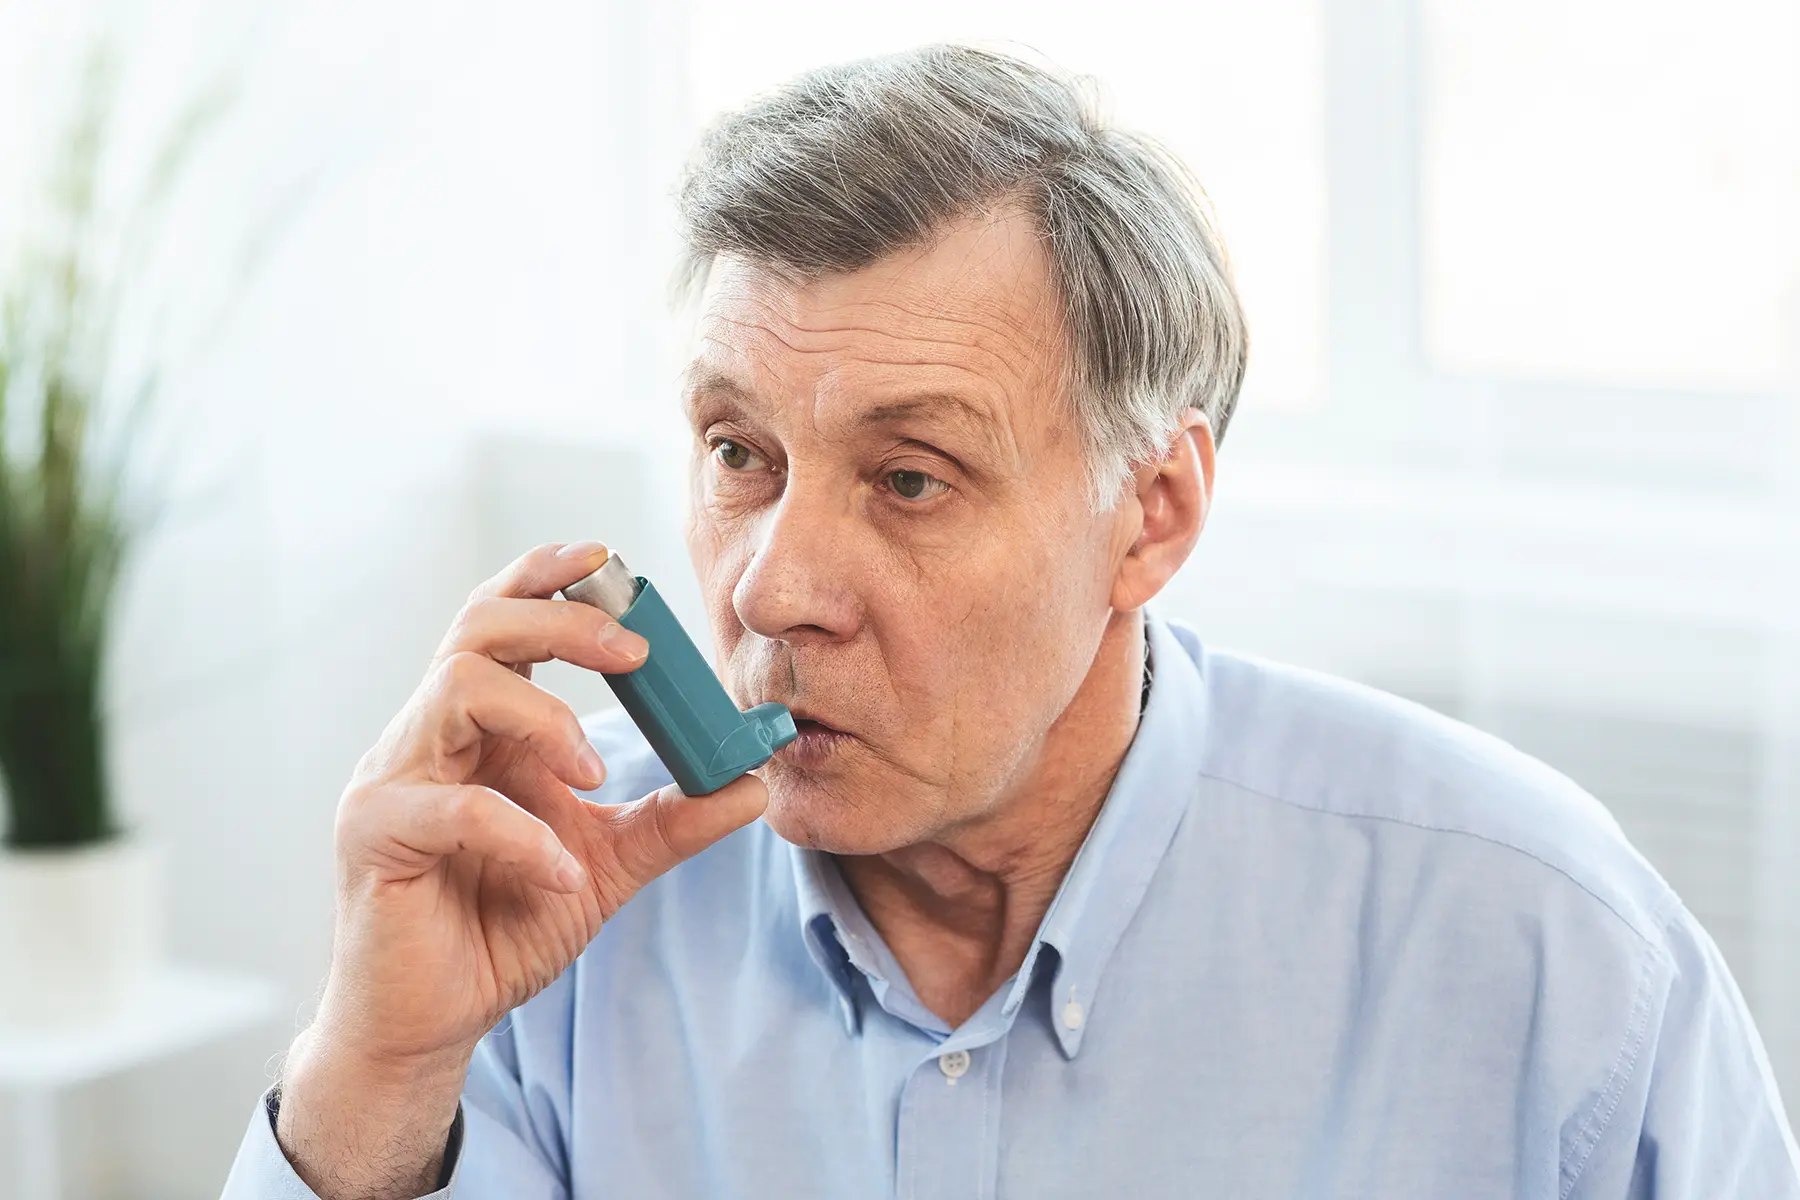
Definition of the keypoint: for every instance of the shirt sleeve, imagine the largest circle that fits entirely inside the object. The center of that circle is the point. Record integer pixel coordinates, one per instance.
(512, 1147)
(493, 1153)
(1699, 1114)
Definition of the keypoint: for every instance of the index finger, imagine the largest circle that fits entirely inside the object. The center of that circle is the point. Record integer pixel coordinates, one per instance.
(544, 570)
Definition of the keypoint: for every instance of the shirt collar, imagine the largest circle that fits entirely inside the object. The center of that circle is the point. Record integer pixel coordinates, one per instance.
(1129, 839)
(1104, 886)
(823, 897)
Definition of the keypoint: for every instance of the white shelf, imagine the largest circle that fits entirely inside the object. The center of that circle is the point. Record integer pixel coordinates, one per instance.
(180, 1009)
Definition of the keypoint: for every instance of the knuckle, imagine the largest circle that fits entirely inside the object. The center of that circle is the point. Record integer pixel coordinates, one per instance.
(544, 712)
(638, 855)
(531, 564)
(467, 619)
(351, 807)
(488, 587)
(573, 620)
(460, 671)
(519, 569)
(359, 815)
(372, 764)
(356, 795)
(463, 811)
(568, 732)
(436, 681)
(572, 632)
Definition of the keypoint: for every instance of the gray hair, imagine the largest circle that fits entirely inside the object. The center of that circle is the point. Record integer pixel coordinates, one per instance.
(848, 164)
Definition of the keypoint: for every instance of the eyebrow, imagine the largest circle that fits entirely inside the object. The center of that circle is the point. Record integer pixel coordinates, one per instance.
(707, 380)
(945, 405)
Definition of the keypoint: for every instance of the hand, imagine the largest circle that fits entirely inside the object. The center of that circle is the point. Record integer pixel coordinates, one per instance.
(470, 876)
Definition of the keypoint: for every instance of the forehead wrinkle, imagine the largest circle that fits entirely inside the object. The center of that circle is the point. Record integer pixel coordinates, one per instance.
(705, 377)
(1015, 371)
(1006, 346)
(846, 327)
(1011, 336)
(1004, 242)
(701, 376)
(1005, 326)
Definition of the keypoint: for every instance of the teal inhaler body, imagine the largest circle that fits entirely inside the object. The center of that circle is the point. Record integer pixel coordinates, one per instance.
(674, 698)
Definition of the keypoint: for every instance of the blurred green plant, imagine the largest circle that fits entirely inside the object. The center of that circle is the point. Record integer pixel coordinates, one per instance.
(72, 404)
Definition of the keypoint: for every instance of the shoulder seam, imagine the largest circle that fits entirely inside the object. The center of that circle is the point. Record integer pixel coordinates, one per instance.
(1389, 819)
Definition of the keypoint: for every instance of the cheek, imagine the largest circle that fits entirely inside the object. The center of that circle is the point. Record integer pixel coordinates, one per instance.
(1041, 576)
(1031, 626)
(717, 567)
(700, 525)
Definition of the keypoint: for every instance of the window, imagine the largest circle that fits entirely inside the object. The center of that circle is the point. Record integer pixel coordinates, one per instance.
(1234, 89)
(1611, 190)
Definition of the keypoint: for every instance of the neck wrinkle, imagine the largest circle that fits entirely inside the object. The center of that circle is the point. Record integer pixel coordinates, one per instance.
(960, 913)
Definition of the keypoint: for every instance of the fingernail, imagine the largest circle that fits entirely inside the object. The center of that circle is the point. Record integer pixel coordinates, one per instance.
(569, 872)
(621, 641)
(581, 550)
(588, 759)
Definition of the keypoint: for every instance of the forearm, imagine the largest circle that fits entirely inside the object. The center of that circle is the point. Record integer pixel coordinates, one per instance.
(357, 1128)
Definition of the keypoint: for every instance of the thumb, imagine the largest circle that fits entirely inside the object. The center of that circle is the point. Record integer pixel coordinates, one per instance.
(667, 827)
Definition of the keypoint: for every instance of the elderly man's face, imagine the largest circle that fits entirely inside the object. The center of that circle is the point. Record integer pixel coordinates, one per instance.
(890, 524)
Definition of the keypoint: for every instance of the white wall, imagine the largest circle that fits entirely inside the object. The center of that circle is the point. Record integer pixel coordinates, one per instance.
(447, 279)
(456, 348)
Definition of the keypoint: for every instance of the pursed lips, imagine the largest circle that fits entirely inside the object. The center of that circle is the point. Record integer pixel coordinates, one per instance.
(804, 716)
(807, 715)
(819, 740)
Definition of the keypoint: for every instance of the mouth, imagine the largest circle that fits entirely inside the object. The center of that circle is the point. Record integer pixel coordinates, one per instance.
(817, 744)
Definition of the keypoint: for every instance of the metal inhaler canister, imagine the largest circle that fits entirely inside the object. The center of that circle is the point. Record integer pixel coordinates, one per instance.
(674, 698)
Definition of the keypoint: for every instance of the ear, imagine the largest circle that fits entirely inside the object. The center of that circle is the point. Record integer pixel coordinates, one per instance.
(1171, 498)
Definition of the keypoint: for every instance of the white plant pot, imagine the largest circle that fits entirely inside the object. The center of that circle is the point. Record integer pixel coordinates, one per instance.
(80, 931)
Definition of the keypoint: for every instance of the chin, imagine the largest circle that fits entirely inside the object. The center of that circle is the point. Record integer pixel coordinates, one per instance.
(836, 816)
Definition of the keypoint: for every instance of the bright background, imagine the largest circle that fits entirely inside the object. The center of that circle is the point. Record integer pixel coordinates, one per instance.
(1521, 437)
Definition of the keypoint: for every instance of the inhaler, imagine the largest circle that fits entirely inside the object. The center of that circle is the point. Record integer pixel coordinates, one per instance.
(674, 697)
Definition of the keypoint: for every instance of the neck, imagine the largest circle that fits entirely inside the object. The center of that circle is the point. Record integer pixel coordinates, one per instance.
(960, 912)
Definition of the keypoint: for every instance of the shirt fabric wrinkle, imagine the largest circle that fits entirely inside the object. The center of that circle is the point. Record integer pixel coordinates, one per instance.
(1317, 941)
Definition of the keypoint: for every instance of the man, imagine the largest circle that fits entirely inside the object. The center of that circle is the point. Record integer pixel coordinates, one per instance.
(1047, 898)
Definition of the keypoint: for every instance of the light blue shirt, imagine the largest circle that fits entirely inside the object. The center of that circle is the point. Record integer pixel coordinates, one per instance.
(1319, 942)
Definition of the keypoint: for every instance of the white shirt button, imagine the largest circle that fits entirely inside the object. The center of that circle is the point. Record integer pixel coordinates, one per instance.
(1072, 1016)
(954, 1065)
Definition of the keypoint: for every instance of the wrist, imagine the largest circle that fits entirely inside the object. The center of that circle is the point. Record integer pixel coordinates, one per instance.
(360, 1125)
(334, 1049)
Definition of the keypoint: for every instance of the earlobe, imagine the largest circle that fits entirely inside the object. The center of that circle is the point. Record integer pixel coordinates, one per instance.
(1173, 499)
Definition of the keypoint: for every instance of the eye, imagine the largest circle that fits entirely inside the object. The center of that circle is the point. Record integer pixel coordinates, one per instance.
(734, 455)
(914, 485)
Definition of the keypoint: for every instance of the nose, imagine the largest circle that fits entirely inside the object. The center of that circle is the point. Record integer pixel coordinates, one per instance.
(799, 585)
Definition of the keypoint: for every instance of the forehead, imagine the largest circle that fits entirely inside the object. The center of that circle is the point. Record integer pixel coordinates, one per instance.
(977, 306)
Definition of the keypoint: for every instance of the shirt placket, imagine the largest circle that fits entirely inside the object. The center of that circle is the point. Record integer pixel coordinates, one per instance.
(949, 1135)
